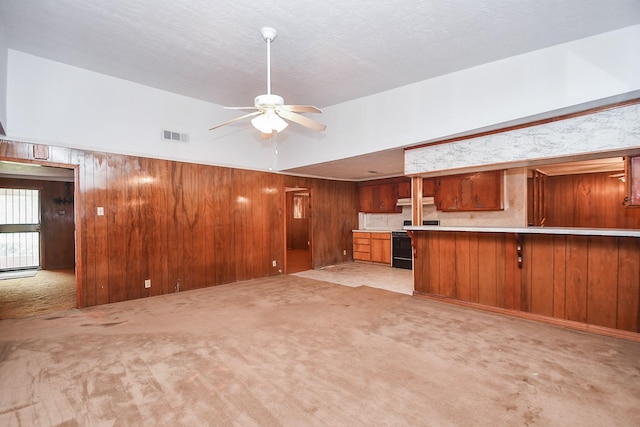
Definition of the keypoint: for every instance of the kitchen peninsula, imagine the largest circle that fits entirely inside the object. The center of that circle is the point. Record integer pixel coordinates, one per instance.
(581, 278)
(565, 270)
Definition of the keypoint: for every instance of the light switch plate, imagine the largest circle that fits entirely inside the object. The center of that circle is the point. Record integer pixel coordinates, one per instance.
(100, 211)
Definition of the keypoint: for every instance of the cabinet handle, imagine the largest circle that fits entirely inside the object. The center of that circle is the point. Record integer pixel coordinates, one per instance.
(519, 243)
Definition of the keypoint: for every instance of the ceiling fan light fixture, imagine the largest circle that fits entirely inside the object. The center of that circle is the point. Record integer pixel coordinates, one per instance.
(271, 109)
(269, 121)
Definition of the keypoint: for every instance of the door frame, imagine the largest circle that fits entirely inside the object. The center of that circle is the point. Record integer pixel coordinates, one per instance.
(288, 189)
(77, 219)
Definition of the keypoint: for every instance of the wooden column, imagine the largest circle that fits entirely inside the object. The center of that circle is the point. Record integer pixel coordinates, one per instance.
(416, 200)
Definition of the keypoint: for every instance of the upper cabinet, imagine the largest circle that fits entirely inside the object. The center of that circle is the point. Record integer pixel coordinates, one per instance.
(428, 187)
(404, 190)
(481, 191)
(381, 196)
(632, 181)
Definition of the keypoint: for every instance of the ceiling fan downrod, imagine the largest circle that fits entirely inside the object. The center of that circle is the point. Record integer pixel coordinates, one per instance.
(268, 34)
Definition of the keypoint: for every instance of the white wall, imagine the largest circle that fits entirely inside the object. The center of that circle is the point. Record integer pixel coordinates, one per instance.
(530, 84)
(68, 106)
(3, 78)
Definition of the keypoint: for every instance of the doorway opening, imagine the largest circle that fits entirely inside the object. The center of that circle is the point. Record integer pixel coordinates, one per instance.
(19, 229)
(298, 256)
(37, 239)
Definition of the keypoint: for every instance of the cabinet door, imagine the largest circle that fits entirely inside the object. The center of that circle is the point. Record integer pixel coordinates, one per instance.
(485, 191)
(379, 198)
(387, 198)
(404, 190)
(480, 191)
(428, 187)
(365, 195)
(381, 248)
(448, 192)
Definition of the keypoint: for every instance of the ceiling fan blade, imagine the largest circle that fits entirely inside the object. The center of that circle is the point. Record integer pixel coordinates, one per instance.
(302, 108)
(237, 119)
(301, 120)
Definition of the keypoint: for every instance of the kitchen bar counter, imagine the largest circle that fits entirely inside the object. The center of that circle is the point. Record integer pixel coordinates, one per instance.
(376, 230)
(613, 232)
(571, 276)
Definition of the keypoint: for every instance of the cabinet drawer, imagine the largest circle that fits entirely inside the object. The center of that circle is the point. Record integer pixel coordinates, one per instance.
(381, 236)
(357, 247)
(362, 256)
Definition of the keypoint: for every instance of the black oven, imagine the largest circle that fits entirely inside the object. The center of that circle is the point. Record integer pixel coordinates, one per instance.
(401, 250)
(402, 254)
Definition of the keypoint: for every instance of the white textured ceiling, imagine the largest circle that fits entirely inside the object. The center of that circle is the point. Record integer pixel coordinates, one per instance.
(326, 52)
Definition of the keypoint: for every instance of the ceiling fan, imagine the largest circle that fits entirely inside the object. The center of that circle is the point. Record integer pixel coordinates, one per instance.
(271, 109)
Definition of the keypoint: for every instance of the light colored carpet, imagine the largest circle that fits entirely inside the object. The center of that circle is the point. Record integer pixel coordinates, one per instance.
(48, 291)
(293, 351)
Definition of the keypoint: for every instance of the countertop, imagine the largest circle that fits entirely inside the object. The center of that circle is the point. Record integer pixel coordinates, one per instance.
(377, 230)
(614, 232)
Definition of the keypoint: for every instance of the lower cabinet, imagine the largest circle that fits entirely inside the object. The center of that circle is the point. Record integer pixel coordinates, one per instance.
(361, 246)
(372, 247)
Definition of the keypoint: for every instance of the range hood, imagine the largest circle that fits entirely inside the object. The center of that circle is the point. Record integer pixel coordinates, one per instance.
(407, 201)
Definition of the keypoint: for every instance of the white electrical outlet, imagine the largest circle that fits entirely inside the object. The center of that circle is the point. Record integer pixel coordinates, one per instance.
(100, 211)
(147, 283)
(273, 263)
(344, 252)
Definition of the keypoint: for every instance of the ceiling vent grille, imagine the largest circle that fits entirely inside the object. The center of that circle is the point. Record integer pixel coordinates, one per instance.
(169, 135)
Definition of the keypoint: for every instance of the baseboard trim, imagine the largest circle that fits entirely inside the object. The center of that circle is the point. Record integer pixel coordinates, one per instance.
(562, 323)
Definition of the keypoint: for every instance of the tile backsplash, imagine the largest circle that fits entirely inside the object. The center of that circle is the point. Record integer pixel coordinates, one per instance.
(383, 221)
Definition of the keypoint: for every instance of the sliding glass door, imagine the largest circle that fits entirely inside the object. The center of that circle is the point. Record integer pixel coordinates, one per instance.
(19, 229)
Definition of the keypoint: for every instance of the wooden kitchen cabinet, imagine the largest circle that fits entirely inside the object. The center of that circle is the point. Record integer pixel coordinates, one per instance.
(381, 247)
(481, 191)
(372, 247)
(361, 246)
(379, 198)
(404, 190)
(428, 187)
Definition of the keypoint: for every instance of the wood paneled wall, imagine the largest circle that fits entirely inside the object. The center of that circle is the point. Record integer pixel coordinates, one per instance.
(588, 279)
(474, 267)
(591, 200)
(57, 225)
(186, 226)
